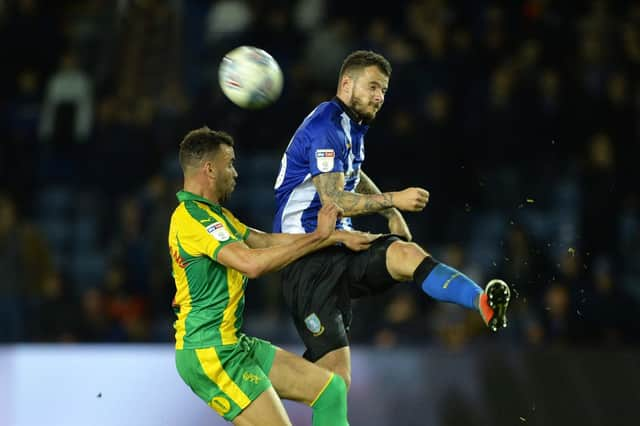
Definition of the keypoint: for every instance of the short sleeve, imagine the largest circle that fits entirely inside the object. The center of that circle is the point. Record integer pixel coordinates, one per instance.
(325, 151)
(242, 230)
(204, 234)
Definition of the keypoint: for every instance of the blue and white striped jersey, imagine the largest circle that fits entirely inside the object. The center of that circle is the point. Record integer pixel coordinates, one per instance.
(328, 140)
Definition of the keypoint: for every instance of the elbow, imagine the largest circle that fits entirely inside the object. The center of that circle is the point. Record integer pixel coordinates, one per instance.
(254, 271)
(251, 263)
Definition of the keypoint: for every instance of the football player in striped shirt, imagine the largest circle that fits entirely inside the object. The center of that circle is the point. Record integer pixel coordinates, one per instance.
(323, 164)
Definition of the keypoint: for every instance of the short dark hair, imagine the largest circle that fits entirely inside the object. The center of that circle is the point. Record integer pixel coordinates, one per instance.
(199, 143)
(361, 59)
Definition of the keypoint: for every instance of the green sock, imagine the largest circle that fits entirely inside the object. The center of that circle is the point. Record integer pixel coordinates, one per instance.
(330, 406)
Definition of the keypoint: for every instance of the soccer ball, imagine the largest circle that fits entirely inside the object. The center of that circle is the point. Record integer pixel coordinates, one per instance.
(250, 77)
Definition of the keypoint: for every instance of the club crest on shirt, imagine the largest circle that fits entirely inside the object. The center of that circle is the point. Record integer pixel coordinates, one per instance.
(324, 159)
(218, 232)
(314, 325)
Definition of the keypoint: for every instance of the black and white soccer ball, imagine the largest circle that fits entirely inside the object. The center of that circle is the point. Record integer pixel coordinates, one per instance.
(250, 77)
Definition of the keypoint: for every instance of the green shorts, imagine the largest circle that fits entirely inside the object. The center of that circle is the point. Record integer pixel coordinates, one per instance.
(228, 377)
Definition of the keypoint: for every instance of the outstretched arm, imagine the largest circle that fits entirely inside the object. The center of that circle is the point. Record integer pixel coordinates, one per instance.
(330, 187)
(353, 240)
(366, 186)
(397, 224)
(255, 262)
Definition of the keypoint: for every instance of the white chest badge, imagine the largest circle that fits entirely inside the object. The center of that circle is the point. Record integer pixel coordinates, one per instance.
(218, 232)
(324, 159)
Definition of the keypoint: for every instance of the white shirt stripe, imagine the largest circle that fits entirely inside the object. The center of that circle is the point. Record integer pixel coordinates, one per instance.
(299, 200)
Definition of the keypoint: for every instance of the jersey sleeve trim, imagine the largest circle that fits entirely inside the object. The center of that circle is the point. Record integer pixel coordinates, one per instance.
(214, 255)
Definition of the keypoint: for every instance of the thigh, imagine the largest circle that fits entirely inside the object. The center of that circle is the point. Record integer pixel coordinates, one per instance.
(368, 273)
(226, 378)
(266, 410)
(297, 379)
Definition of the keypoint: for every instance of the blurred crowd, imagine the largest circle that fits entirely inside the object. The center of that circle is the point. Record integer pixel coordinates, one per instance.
(520, 117)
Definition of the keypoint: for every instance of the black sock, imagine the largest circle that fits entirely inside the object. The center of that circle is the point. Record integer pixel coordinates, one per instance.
(424, 269)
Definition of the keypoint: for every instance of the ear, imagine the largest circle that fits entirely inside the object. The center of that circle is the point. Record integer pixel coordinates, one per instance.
(209, 168)
(346, 83)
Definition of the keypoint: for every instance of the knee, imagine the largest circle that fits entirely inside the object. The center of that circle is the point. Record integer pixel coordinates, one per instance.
(406, 252)
(403, 258)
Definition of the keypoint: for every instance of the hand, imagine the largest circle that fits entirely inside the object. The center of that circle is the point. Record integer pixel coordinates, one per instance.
(397, 225)
(411, 199)
(327, 217)
(356, 240)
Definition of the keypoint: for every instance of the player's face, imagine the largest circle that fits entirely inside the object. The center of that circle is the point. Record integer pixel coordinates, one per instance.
(369, 89)
(226, 173)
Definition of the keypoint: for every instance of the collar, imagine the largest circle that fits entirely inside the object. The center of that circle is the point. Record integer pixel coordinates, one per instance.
(189, 196)
(351, 113)
(357, 121)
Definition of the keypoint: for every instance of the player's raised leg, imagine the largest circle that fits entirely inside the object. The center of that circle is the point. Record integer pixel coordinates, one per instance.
(408, 261)
(321, 389)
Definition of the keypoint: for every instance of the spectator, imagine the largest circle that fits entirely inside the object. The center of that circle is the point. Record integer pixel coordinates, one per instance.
(67, 113)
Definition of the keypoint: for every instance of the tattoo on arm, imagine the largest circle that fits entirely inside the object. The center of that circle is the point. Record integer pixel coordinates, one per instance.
(331, 186)
(367, 186)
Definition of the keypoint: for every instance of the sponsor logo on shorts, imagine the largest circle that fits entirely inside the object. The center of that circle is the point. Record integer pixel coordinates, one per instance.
(250, 377)
(314, 325)
(221, 405)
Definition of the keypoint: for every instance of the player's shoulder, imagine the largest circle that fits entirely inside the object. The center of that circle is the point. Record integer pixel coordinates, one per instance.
(324, 114)
(324, 117)
(227, 213)
(328, 108)
(179, 212)
(191, 209)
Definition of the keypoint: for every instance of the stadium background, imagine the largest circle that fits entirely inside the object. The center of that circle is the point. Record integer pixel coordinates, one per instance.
(520, 117)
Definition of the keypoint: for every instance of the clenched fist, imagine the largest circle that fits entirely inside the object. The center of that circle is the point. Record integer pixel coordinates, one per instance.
(411, 199)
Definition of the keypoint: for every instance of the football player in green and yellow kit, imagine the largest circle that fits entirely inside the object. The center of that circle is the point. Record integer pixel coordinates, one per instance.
(241, 377)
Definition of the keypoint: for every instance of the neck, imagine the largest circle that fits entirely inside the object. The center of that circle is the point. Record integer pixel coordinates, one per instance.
(350, 112)
(200, 190)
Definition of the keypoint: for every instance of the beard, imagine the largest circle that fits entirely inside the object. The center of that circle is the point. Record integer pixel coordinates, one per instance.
(226, 191)
(366, 111)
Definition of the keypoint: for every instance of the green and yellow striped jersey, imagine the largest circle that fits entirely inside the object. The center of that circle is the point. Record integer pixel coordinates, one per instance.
(209, 298)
